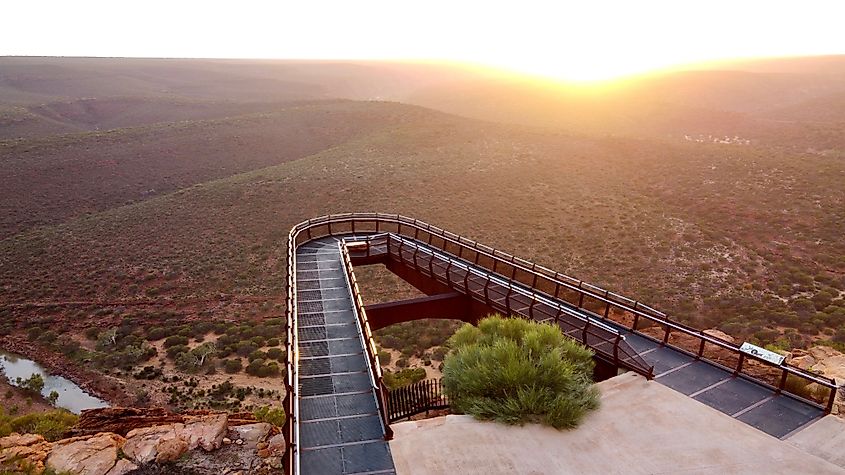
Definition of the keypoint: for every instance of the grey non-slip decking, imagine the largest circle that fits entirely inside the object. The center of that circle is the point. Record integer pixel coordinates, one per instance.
(775, 414)
(340, 430)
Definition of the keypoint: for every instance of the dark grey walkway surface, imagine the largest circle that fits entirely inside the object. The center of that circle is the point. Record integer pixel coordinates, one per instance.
(756, 405)
(340, 430)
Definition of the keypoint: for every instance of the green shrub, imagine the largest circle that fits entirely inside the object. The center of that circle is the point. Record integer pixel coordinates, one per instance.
(245, 348)
(175, 351)
(51, 425)
(157, 333)
(257, 355)
(277, 354)
(232, 366)
(515, 371)
(403, 377)
(175, 340)
(272, 415)
(34, 384)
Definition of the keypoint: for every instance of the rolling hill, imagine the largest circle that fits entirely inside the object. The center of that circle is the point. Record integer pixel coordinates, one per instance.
(713, 194)
(715, 234)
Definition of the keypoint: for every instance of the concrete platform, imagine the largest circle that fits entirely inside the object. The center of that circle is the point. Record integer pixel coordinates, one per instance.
(642, 427)
(825, 439)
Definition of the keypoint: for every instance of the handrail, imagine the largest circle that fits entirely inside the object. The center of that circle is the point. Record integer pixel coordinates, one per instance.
(560, 282)
(369, 343)
(291, 401)
(415, 398)
(590, 327)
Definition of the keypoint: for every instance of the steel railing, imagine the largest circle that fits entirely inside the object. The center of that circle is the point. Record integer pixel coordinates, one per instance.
(416, 398)
(379, 388)
(502, 295)
(582, 296)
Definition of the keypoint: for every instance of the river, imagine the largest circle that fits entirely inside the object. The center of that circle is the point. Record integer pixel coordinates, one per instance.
(71, 396)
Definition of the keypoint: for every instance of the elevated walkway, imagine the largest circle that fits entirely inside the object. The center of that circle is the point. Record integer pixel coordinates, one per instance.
(336, 399)
(340, 428)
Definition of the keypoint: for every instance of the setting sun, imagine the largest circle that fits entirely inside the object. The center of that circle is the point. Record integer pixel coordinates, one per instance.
(570, 41)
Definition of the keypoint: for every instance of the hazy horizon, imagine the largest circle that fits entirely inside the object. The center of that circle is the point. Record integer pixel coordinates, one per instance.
(602, 40)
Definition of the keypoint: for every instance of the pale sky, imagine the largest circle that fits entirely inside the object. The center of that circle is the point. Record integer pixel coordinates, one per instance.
(589, 39)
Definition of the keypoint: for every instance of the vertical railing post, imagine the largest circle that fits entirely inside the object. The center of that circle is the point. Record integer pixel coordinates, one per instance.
(782, 382)
(616, 349)
(580, 295)
(486, 293)
(831, 399)
(739, 363)
(508, 299)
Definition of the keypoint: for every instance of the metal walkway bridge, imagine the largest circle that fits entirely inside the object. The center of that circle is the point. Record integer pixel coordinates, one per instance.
(336, 401)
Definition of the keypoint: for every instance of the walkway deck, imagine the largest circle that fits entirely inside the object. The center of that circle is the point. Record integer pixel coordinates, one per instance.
(758, 406)
(340, 428)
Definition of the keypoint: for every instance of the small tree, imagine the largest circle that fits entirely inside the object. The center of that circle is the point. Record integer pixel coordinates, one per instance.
(107, 338)
(204, 351)
(53, 397)
(35, 383)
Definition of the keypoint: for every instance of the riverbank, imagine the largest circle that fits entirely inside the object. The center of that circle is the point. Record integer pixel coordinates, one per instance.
(109, 389)
(18, 402)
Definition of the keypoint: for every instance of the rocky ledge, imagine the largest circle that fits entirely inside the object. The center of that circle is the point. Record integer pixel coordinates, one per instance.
(186, 444)
(825, 361)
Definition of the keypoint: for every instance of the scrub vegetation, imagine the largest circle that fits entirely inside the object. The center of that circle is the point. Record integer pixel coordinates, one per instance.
(145, 219)
(515, 371)
(51, 424)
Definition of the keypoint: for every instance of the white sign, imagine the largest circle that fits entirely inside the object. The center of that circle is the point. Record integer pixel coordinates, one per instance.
(761, 353)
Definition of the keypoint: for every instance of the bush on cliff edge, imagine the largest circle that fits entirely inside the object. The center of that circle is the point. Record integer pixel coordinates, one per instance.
(514, 371)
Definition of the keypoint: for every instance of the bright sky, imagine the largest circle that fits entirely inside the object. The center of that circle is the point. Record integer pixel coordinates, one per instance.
(587, 39)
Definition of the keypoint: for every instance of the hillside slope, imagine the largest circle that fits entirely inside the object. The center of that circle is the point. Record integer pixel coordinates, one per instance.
(714, 234)
(47, 180)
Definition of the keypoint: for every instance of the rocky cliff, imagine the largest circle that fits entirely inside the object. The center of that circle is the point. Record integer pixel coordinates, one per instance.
(117, 441)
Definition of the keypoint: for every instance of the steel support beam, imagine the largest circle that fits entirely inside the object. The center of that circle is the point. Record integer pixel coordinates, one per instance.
(448, 305)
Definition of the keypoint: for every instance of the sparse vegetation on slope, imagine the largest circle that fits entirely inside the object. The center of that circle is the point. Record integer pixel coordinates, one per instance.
(51, 424)
(515, 371)
(690, 229)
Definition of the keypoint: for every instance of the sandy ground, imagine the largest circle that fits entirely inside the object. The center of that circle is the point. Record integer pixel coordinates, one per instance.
(431, 372)
(641, 428)
(207, 380)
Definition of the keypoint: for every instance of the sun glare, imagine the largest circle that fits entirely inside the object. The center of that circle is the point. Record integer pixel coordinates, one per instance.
(573, 41)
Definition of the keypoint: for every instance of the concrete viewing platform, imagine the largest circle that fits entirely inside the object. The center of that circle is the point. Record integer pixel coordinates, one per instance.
(642, 427)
